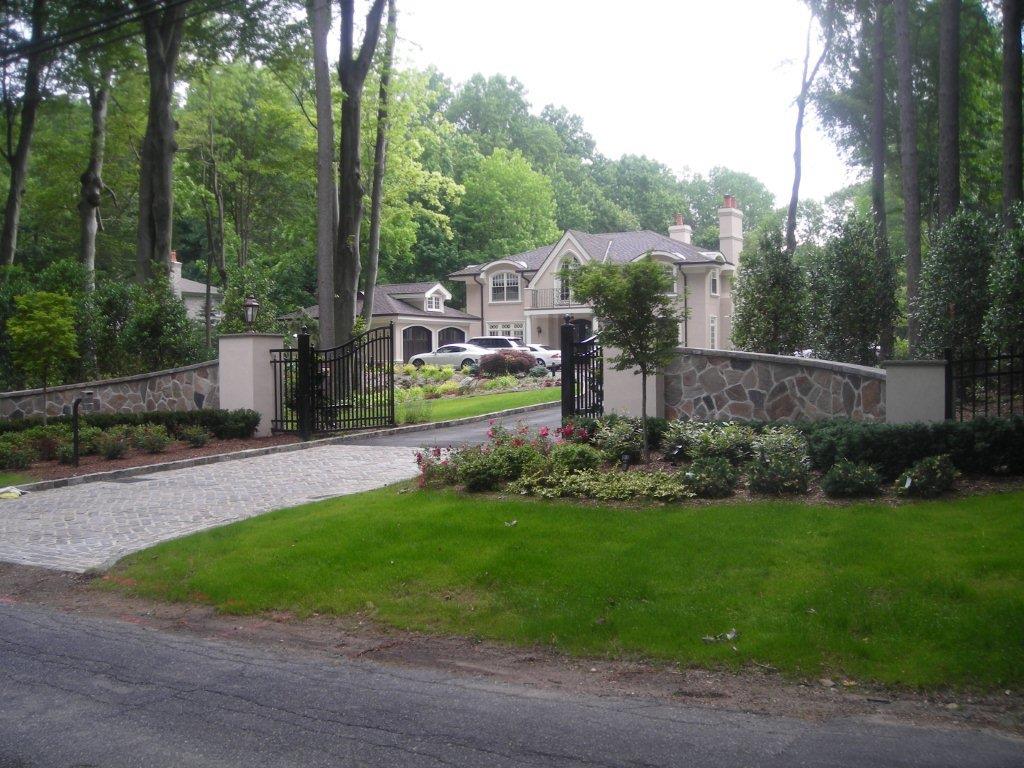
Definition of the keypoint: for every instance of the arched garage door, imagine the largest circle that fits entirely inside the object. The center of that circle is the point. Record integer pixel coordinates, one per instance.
(415, 340)
(450, 336)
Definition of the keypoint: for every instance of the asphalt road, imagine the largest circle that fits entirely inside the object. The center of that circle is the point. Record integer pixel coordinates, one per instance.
(89, 692)
(466, 433)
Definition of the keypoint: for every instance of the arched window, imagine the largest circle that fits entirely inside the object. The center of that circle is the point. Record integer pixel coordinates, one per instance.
(504, 286)
(450, 336)
(563, 291)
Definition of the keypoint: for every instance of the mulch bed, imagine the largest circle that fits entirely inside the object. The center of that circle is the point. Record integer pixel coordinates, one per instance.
(53, 470)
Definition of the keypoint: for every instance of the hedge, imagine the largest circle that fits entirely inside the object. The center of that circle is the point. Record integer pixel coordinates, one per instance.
(227, 425)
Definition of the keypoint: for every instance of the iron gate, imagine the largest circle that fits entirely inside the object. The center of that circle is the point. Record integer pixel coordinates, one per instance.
(351, 386)
(582, 373)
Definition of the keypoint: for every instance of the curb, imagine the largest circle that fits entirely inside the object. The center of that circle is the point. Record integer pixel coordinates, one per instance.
(216, 458)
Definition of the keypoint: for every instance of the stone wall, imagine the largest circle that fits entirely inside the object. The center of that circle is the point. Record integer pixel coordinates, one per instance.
(716, 384)
(189, 388)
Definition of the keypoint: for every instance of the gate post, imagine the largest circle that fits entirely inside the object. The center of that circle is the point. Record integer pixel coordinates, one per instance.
(568, 346)
(304, 386)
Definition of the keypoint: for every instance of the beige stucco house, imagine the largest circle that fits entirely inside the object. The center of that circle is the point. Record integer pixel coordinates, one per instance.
(521, 295)
(422, 316)
(193, 293)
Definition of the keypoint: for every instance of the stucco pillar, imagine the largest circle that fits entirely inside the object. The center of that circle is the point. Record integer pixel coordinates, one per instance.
(246, 376)
(915, 390)
(623, 393)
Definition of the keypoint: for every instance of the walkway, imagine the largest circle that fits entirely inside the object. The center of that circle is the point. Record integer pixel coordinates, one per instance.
(94, 524)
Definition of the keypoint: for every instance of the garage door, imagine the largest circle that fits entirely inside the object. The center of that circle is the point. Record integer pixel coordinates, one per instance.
(415, 340)
(450, 336)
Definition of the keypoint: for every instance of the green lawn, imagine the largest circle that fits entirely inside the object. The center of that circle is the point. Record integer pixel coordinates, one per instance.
(13, 478)
(925, 594)
(446, 408)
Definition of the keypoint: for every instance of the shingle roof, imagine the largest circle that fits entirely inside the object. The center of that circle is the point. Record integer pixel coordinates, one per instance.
(386, 305)
(192, 286)
(533, 259)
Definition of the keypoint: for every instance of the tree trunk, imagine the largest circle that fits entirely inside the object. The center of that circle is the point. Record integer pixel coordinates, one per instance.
(380, 159)
(92, 180)
(949, 108)
(352, 74)
(319, 12)
(908, 167)
(643, 410)
(1013, 184)
(162, 31)
(17, 156)
(878, 151)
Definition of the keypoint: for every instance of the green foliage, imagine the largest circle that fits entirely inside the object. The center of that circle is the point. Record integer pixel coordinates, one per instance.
(604, 485)
(779, 463)
(251, 280)
(152, 438)
(415, 410)
(486, 468)
(928, 478)
(711, 477)
(506, 362)
(538, 372)
(239, 424)
(770, 297)
(953, 295)
(114, 443)
(566, 458)
(43, 337)
(854, 295)
(1004, 321)
(621, 437)
(157, 332)
(501, 382)
(711, 439)
(847, 479)
(195, 436)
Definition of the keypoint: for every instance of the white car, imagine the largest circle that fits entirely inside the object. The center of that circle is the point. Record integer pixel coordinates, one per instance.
(456, 355)
(546, 356)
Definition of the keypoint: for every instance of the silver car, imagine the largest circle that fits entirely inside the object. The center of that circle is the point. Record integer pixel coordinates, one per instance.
(456, 355)
(546, 356)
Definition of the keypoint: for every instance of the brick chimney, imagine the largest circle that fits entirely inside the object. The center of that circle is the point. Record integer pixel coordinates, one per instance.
(175, 274)
(681, 231)
(730, 230)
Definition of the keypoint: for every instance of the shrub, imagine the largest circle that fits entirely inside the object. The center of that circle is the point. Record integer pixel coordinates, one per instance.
(566, 458)
(415, 411)
(779, 462)
(16, 456)
(604, 486)
(113, 443)
(195, 436)
(87, 437)
(436, 468)
(848, 479)
(405, 395)
(449, 388)
(237, 424)
(431, 392)
(506, 362)
(152, 438)
(538, 372)
(66, 453)
(47, 440)
(711, 477)
(621, 437)
(501, 382)
(485, 468)
(706, 439)
(928, 478)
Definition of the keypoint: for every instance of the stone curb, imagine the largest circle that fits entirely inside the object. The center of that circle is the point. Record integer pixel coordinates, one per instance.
(216, 458)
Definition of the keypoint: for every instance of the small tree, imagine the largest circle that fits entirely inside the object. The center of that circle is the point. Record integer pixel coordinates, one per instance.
(43, 337)
(771, 297)
(1004, 321)
(637, 315)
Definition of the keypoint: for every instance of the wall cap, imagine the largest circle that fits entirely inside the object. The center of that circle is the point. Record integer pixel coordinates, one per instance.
(107, 382)
(913, 363)
(807, 362)
(251, 336)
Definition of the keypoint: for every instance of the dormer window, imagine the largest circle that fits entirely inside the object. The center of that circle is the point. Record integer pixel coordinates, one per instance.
(435, 303)
(714, 282)
(504, 287)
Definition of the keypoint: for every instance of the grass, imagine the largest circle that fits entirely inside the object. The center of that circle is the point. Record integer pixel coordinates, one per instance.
(446, 408)
(13, 478)
(920, 595)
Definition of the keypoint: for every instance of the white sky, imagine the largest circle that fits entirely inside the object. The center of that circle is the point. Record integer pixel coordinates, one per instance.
(690, 83)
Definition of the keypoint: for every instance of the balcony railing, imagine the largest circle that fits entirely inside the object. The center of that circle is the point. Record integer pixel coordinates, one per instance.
(550, 298)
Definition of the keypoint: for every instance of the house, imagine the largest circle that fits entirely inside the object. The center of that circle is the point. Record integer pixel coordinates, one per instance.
(423, 319)
(522, 295)
(193, 293)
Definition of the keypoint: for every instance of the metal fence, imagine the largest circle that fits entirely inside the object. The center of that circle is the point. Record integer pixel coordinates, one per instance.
(582, 373)
(982, 382)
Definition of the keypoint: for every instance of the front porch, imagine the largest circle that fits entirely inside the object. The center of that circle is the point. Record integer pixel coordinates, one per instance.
(542, 326)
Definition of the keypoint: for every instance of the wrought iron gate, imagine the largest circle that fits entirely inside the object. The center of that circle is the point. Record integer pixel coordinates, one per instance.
(582, 373)
(351, 386)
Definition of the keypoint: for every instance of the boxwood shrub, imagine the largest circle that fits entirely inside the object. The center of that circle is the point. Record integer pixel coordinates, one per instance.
(928, 478)
(850, 480)
(238, 424)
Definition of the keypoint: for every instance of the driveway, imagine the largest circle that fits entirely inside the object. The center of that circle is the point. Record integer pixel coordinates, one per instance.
(92, 525)
(466, 433)
(98, 692)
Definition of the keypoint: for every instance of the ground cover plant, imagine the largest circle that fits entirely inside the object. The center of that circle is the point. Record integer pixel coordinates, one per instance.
(926, 594)
(476, 405)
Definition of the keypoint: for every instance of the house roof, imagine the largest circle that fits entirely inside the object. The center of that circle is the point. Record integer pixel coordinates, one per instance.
(192, 286)
(619, 247)
(387, 304)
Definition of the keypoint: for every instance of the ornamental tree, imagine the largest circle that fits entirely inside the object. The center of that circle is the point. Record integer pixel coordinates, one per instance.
(638, 316)
(43, 337)
(1004, 321)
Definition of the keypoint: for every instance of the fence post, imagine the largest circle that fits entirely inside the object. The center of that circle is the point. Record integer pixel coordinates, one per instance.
(391, 374)
(568, 346)
(948, 355)
(304, 385)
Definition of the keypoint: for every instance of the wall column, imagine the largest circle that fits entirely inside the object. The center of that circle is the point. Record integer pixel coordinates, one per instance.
(915, 390)
(246, 376)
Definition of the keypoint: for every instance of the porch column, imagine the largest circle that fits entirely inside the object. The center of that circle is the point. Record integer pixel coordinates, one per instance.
(246, 376)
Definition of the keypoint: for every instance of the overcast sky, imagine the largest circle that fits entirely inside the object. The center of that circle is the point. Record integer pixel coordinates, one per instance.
(690, 83)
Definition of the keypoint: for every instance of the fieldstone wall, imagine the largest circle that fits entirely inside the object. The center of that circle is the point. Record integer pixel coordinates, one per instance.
(189, 388)
(712, 384)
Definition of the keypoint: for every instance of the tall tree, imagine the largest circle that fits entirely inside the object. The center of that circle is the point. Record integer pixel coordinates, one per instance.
(22, 111)
(909, 166)
(162, 31)
(878, 151)
(380, 159)
(1013, 134)
(92, 186)
(319, 12)
(352, 70)
(949, 108)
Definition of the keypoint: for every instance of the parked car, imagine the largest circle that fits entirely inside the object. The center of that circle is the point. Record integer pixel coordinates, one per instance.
(546, 356)
(456, 355)
(497, 342)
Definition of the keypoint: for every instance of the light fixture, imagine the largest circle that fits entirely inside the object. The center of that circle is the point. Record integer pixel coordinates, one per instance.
(250, 308)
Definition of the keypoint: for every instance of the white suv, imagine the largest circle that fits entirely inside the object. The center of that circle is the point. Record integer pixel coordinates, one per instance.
(497, 342)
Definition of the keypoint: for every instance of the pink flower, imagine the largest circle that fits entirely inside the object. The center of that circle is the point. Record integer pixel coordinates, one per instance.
(436, 451)
(543, 432)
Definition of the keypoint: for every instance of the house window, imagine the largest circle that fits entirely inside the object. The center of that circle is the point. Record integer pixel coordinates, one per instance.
(714, 282)
(712, 332)
(435, 303)
(563, 291)
(505, 287)
(514, 329)
(670, 273)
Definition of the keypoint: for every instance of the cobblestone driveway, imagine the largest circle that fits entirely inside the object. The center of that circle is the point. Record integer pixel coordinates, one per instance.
(91, 525)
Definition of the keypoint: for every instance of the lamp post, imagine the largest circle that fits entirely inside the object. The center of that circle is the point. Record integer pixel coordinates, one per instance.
(86, 399)
(250, 308)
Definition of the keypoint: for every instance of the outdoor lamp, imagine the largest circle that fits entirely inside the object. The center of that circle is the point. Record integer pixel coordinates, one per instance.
(86, 402)
(251, 308)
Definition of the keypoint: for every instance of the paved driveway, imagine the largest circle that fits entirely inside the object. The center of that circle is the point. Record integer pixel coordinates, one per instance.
(93, 524)
(464, 434)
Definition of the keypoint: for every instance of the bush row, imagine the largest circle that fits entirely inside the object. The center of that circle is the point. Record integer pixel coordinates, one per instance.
(238, 424)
